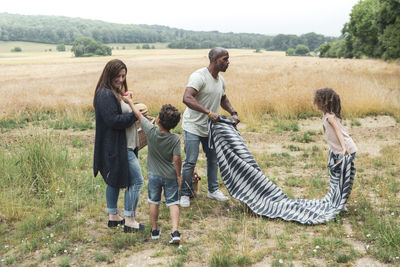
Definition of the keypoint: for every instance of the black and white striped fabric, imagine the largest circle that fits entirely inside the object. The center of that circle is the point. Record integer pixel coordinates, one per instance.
(245, 181)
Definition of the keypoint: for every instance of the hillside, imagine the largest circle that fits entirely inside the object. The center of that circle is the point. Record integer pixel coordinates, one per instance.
(57, 29)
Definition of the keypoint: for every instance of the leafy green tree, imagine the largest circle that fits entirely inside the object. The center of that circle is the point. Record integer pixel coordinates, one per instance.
(389, 18)
(364, 27)
(391, 41)
(323, 49)
(145, 46)
(302, 50)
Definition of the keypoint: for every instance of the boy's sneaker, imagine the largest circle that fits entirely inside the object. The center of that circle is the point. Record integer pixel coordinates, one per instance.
(185, 201)
(218, 195)
(175, 238)
(155, 234)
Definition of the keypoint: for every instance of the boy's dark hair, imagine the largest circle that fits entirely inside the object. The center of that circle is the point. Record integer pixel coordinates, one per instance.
(328, 101)
(169, 116)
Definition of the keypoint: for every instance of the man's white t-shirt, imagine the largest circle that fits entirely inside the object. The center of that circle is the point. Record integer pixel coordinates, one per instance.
(209, 94)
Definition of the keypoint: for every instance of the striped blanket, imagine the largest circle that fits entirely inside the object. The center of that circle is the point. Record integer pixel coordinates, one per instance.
(245, 181)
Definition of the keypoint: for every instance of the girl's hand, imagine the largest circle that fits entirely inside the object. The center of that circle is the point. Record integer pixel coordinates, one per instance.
(344, 152)
(129, 94)
(127, 99)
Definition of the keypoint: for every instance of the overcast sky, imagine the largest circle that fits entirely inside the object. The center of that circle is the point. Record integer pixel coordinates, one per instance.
(269, 17)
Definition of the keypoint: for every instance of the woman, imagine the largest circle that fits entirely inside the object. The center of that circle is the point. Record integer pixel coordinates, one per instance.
(113, 158)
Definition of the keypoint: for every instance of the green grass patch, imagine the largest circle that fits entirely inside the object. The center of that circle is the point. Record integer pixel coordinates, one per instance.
(280, 126)
(306, 137)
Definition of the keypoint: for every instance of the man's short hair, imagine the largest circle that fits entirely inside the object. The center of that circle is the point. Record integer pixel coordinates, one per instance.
(216, 53)
(169, 116)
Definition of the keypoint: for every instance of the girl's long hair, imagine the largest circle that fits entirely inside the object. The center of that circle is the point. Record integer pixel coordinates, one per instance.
(328, 101)
(111, 70)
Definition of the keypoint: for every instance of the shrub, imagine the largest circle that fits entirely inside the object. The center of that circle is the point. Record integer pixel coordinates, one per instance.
(60, 47)
(86, 46)
(16, 49)
(302, 50)
(290, 52)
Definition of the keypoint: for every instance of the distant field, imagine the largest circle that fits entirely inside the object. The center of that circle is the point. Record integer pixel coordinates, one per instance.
(5, 47)
(257, 83)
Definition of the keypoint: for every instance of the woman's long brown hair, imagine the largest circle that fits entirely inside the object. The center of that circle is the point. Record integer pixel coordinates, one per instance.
(111, 70)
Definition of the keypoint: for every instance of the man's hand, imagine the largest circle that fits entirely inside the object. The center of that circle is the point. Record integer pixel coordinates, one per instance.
(214, 117)
(236, 119)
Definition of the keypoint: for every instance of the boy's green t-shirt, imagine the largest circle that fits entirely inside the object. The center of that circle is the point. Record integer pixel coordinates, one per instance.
(161, 150)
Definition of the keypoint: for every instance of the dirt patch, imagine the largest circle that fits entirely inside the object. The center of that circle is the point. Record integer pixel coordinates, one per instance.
(368, 261)
(145, 258)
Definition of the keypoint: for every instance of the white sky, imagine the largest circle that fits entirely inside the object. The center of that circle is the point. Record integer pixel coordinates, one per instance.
(269, 17)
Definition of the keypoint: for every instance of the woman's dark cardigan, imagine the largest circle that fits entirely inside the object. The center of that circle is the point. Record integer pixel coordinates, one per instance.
(110, 148)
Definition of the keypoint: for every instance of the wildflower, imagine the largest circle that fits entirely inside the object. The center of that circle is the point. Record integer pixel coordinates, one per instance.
(315, 251)
(5, 246)
(367, 246)
(51, 235)
(317, 247)
(368, 235)
(280, 261)
(392, 213)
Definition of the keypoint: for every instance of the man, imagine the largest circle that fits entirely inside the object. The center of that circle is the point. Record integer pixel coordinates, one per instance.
(203, 96)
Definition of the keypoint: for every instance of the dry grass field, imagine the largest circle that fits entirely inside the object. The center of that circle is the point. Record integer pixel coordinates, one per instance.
(52, 210)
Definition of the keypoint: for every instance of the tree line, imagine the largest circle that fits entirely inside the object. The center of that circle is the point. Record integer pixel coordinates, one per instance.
(65, 30)
(373, 31)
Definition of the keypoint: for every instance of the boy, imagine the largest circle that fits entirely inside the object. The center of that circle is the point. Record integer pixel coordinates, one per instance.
(164, 164)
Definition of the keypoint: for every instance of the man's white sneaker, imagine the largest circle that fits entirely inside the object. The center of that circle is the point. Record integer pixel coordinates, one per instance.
(218, 195)
(185, 201)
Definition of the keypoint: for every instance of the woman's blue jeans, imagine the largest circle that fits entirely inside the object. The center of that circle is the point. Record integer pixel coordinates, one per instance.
(132, 192)
(192, 143)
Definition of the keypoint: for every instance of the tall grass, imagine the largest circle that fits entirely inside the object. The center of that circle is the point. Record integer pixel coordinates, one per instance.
(40, 162)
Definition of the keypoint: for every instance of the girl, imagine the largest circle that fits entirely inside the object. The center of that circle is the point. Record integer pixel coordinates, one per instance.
(115, 155)
(339, 140)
